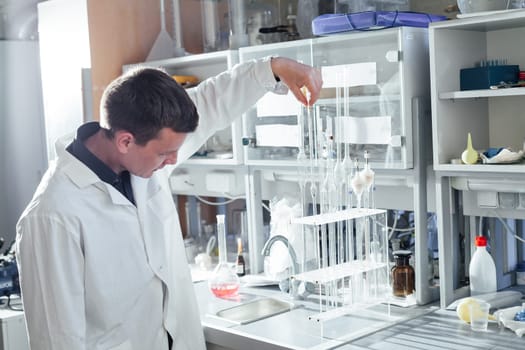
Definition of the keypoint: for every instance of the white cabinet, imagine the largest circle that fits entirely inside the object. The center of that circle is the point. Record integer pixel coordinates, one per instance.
(13, 334)
(465, 194)
(493, 117)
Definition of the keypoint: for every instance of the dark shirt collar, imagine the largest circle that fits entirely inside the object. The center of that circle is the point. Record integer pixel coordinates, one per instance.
(78, 149)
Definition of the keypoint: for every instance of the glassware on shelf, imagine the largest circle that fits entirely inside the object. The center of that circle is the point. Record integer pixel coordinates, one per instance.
(215, 26)
(224, 282)
(403, 276)
(237, 14)
(240, 263)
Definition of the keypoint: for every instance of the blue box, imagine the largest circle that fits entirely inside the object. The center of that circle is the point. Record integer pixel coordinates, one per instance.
(480, 78)
(371, 20)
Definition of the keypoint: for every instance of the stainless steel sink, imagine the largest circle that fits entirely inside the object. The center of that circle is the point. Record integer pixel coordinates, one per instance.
(255, 310)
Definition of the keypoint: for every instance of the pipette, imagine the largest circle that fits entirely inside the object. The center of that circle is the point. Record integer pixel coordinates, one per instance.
(367, 174)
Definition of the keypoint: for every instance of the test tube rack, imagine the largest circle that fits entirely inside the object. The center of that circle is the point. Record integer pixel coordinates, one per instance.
(359, 277)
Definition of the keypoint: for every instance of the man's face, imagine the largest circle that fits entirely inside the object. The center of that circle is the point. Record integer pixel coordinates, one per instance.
(155, 154)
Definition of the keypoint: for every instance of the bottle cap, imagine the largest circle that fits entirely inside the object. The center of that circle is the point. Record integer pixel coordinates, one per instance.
(402, 253)
(481, 241)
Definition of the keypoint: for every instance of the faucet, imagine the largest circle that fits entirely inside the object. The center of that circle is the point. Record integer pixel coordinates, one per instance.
(298, 289)
(269, 243)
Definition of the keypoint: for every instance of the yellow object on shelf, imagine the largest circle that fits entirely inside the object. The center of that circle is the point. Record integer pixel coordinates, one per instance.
(470, 155)
(186, 81)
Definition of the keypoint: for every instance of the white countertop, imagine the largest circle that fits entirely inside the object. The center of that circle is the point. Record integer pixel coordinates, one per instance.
(419, 327)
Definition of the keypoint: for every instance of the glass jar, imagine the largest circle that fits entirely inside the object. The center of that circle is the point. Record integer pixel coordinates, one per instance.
(403, 275)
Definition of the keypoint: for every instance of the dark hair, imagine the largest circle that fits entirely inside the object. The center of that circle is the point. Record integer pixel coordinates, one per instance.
(145, 100)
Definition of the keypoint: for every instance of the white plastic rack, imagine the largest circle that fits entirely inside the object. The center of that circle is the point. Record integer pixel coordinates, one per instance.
(359, 277)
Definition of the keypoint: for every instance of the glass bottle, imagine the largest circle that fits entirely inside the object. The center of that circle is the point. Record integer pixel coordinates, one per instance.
(240, 264)
(403, 275)
(224, 282)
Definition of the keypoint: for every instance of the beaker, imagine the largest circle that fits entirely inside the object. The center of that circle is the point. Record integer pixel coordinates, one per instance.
(224, 281)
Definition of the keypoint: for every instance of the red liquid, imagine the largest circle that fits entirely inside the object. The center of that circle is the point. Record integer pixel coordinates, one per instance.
(225, 290)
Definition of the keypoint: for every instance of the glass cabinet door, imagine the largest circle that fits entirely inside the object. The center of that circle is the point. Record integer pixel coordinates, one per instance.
(370, 80)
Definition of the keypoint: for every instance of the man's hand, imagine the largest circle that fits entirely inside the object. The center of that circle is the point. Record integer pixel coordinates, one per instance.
(296, 76)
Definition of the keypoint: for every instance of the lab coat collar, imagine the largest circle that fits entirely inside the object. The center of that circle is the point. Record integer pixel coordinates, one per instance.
(81, 175)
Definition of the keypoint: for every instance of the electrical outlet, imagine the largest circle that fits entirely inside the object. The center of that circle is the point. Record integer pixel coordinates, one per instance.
(507, 200)
(487, 199)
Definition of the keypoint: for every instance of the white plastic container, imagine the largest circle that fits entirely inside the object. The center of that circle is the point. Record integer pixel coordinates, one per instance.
(482, 270)
(469, 6)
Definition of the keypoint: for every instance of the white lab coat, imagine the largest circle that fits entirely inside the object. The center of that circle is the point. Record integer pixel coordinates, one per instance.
(100, 273)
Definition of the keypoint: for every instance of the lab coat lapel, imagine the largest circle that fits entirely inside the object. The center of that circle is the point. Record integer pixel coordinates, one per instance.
(149, 199)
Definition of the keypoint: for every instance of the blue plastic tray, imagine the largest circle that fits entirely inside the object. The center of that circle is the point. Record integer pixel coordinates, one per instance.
(370, 20)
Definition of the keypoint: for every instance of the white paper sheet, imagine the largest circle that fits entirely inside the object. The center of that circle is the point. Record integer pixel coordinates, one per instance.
(366, 130)
(354, 74)
(277, 135)
(274, 105)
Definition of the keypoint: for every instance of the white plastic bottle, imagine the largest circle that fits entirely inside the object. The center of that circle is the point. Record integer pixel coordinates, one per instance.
(482, 270)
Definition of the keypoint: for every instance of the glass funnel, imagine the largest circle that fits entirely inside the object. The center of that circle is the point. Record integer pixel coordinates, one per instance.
(224, 281)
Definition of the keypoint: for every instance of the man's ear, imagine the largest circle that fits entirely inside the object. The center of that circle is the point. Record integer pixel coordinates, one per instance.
(124, 140)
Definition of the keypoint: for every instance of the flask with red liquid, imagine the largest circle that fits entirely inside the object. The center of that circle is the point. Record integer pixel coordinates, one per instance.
(224, 282)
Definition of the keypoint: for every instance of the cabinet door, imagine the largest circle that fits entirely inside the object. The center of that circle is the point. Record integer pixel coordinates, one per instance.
(370, 81)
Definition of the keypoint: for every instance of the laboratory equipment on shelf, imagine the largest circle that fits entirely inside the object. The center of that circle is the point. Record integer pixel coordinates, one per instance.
(215, 27)
(354, 281)
(470, 6)
(482, 270)
(403, 276)
(374, 99)
(240, 263)
(224, 281)
(237, 14)
(375, 87)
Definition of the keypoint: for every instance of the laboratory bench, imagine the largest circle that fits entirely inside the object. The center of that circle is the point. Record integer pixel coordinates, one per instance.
(416, 327)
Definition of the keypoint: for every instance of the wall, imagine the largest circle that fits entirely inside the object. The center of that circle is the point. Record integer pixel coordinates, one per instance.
(22, 144)
(134, 26)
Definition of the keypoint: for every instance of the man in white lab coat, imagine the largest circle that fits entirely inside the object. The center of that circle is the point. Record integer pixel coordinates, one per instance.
(99, 248)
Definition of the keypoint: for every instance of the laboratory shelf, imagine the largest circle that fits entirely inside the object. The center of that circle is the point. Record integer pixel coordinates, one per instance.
(494, 117)
(516, 91)
(466, 169)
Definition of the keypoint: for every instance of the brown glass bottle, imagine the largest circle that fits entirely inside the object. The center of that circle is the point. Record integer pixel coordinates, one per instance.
(241, 265)
(402, 274)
